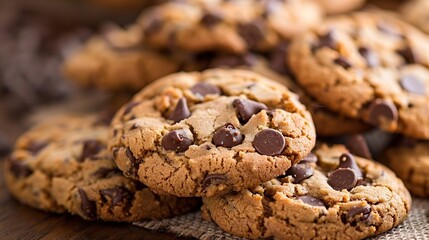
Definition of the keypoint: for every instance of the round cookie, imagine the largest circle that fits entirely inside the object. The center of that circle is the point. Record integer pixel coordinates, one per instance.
(63, 165)
(329, 195)
(409, 159)
(327, 123)
(116, 61)
(340, 6)
(231, 26)
(369, 66)
(417, 13)
(207, 133)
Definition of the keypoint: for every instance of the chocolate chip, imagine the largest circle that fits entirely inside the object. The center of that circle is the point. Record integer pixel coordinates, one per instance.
(214, 179)
(18, 168)
(203, 89)
(88, 207)
(269, 142)
(311, 201)
(139, 185)
(90, 149)
(36, 147)
(357, 145)
(176, 141)
(327, 40)
(348, 161)
(153, 27)
(247, 108)
(300, 172)
(343, 62)
(181, 111)
(105, 172)
(233, 61)
(252, 32)
(227, 136)
(116, 195)
(381, 111)
(311, 158)
(408, 55)
(210, 19)
(343, 178)
(130, 156)
(370, 57)
(413, 84)
(365, 211)
(129, 106)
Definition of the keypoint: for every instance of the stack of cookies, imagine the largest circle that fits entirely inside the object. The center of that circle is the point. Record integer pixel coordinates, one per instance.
(228, 97)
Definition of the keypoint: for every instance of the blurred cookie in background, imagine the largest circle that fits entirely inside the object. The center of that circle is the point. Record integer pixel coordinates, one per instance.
(340, 6)
(417, 13)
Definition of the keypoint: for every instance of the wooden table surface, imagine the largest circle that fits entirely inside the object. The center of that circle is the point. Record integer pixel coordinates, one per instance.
(18, 221)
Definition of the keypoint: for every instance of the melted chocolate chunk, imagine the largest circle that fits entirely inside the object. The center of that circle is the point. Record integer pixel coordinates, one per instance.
(343, 62)
(408, 55)
(343, 178)
(327, 40)
(348, 161)
(253, 32)
(203, 89)
(176, 141)
(365, 211)
(90, 149)
(129, 107)
(211, 19)
(18, 168)
(35, 147)
(214, 179)
(181, 111)
(227, 136)
(247, 108)
(358, 146)
(269, 142)
(300, 172)
(311, 201)
(116, 195)
(413, 84)
(380, 111)
(88, 207)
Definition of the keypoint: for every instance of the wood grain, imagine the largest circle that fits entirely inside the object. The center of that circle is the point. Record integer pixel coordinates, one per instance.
(21, 222)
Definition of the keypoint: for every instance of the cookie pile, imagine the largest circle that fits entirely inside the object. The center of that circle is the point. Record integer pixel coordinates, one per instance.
(228, 99)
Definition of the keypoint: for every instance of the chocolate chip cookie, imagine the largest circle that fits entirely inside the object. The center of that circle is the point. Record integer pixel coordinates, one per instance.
(115, 60)
(327, 123)
(63, 165)
(335, 6)
(417, 13)
(208, 133)
(232, 26)
(409, 159)
(369, 66)
(331, 194)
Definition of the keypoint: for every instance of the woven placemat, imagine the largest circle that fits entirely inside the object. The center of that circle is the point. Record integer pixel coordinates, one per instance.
(416, 227)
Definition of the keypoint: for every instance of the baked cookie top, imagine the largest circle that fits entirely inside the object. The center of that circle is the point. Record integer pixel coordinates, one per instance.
(232, 26)
(207, 133)
(63, 165)
(331, 194)
(409, 159)
(369, 66)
